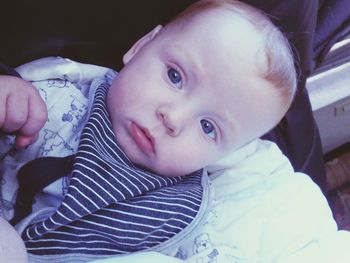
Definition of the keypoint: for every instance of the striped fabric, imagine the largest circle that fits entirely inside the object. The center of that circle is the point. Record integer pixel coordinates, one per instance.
(112, 207)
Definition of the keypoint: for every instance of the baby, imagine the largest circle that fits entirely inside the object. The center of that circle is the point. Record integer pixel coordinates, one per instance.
(230, 79)
(193, 93)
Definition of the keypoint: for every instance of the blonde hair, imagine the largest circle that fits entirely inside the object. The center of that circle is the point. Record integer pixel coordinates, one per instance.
(280, 70)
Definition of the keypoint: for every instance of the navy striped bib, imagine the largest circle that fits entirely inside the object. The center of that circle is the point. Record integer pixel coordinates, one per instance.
(113, 207)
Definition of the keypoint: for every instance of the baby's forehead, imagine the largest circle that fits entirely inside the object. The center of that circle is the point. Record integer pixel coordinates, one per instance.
(225, 28)
(214, 18)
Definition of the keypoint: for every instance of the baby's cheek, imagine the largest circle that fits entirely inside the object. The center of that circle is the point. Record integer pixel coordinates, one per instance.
(114, 100)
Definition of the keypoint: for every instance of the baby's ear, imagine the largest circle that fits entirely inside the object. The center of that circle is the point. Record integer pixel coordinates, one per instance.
(140, 44)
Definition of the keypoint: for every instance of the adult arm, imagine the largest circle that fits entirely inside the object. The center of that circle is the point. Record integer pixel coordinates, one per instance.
(12, 248)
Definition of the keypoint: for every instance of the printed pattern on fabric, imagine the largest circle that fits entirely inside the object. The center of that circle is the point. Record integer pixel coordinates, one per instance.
(112, 207)
(57, 138)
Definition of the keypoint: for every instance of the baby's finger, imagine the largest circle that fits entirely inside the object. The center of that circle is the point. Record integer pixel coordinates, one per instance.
(24, 141)
(37, 115)
(16, 112)
(2, 112)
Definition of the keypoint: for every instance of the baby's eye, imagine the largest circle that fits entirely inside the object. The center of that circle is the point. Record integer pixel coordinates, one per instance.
(175, 77)
(208, 128)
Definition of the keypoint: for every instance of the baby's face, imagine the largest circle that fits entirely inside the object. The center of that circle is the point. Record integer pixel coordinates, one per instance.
(188, 97)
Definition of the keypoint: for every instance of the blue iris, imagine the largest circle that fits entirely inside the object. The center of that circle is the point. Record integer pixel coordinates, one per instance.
(208, 128)
(175, 77)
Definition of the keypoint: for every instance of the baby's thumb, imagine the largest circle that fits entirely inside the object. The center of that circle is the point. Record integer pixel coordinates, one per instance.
(23, 141)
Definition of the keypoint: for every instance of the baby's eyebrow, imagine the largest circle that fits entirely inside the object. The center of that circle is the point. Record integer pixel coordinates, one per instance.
(186, 61)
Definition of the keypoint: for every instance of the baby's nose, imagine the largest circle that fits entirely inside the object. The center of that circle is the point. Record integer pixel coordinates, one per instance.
(172, 119)
(171, 128)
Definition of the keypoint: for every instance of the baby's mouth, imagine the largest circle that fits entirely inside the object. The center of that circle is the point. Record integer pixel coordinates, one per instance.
(142, 138)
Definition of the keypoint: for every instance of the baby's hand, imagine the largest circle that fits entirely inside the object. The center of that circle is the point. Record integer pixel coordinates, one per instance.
(22, 110)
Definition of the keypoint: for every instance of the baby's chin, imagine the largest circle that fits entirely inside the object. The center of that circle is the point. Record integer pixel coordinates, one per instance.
(167, 172)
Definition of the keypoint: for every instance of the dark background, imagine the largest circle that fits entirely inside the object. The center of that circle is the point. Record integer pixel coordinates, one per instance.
(89, 31)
